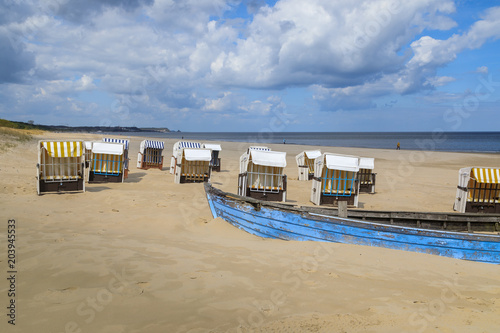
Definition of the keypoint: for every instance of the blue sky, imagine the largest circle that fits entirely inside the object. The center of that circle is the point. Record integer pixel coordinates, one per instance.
(231, 65)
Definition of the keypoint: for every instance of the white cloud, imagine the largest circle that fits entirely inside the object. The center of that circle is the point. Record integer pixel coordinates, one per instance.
(419, 73)
(165, 56)
(482, 70)
(219, 104)
(85, 83)
(329, 43)
(439, 81)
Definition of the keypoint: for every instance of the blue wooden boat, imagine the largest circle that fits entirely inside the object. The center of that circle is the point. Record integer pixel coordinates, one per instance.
(452, 235)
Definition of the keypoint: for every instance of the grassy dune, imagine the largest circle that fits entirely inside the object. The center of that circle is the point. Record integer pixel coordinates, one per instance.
(12, 133)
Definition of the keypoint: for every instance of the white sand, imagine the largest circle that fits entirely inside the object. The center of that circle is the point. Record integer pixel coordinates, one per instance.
(147, 256)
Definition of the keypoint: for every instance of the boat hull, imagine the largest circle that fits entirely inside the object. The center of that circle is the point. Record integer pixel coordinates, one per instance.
(290, 223)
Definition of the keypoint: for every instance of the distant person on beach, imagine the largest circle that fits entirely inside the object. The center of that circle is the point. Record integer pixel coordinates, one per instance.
(284, 141)
(398, 147)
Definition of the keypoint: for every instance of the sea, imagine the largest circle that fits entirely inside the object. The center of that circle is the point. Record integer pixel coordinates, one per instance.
(484, 142)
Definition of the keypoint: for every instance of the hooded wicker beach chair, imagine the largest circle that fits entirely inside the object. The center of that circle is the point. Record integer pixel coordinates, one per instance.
(305, 163)
(215, 161)
(125, 143)
(335, 179)
(366, 176)
(88, 152)
(178, 146)
(262, 175)
(478, 190)
(150, 155)
(193, 165)
(244, 157)
(107, 163)
(61, 166)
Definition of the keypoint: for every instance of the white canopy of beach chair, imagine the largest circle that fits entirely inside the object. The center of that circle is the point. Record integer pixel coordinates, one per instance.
(268, 158)
(366, 163)
(342, 162)
(108, 148)
(312, 154)
(213, 146)
(197, 154)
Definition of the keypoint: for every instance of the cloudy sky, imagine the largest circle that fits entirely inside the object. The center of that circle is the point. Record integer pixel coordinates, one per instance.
(233, 65)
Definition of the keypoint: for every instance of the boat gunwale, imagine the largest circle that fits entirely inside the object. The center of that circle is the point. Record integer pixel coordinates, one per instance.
(366, 224)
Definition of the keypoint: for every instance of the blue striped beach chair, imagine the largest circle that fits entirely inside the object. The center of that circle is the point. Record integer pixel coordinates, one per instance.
(108, 163)
(150, 154)
(178, 146)
(126, 158)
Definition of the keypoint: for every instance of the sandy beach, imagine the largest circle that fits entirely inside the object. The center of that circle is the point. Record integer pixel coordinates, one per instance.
(147, 256)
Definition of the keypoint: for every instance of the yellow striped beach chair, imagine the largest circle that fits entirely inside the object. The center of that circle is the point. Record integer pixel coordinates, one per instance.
(478, 190)
(61, 166)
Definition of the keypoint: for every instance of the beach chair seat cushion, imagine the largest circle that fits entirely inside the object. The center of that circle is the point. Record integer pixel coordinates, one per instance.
(254, 187)
(60, 178)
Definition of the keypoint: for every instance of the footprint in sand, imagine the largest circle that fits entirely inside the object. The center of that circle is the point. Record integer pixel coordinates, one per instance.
(58, 296)
(478, 301)
(135, 289)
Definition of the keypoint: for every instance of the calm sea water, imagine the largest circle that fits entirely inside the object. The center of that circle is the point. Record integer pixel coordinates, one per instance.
(448, 141)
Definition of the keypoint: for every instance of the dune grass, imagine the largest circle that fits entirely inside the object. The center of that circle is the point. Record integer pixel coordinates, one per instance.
(11, 137)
